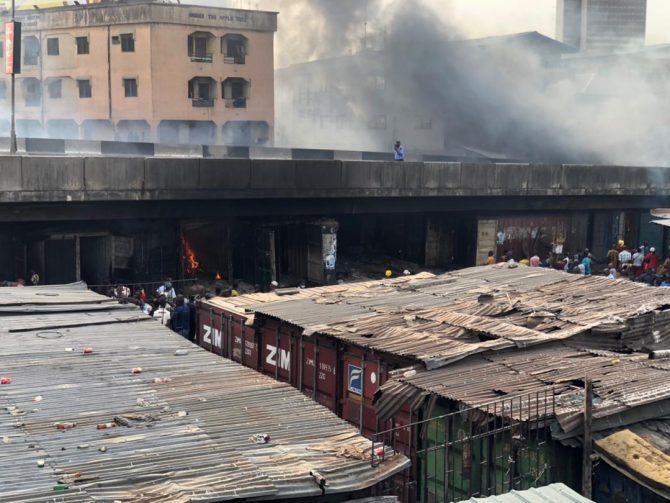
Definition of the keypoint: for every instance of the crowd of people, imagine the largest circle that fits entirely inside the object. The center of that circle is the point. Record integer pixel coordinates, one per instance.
(173, 310)
(641, 264)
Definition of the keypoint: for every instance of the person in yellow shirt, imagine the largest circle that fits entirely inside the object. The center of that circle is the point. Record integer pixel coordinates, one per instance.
(524, 261)
(490, 260)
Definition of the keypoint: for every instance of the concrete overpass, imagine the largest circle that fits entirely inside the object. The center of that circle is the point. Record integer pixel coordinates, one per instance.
(128, 217)
(68, 181)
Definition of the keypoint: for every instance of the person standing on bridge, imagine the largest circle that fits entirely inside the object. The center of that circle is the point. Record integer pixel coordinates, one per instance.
(398, 151)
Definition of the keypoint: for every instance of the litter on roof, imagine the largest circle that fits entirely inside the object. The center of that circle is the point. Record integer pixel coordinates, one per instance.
(183, 429)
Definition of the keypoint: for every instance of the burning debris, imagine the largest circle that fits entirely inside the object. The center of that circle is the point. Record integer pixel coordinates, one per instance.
(191, 262)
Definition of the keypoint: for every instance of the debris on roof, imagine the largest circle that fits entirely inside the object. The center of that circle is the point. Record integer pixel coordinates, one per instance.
(443, 319)
(193, 427)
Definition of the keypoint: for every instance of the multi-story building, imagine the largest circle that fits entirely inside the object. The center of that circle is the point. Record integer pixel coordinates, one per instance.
(602, 25)
(145, 71)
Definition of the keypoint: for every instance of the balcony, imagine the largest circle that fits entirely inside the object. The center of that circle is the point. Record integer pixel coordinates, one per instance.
(236, 103)
(234, 60)
(207, 58)
(202, 103)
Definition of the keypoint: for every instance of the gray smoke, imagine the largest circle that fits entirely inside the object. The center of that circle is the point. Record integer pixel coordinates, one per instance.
(501, 99)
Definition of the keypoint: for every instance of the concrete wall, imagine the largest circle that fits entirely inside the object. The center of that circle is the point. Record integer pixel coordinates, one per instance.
(57, 179)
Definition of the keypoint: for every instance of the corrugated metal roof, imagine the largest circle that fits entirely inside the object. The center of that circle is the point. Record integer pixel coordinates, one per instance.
(441, 319)
(553, 493)
(540, 382)
(191, 418)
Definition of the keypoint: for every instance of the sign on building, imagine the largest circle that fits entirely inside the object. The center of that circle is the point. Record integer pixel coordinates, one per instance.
(355, 380)
(12, 47)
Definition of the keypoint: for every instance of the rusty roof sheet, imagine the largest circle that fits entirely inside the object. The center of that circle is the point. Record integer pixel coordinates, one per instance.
(186, 422)
(441, 319)
(541, 382)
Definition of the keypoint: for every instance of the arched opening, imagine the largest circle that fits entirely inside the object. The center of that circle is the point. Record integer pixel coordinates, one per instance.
(133, 130)
(26, 128)
(193, 132)
(236, 92)
(63, 128)
(97, 129)
(246, 133)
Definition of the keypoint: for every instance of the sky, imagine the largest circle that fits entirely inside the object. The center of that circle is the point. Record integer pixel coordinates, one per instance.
(481, 18)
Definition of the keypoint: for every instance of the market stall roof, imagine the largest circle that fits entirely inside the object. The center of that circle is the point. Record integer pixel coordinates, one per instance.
(186, 426)
(544, 382)
(553, 493)
(443, 319)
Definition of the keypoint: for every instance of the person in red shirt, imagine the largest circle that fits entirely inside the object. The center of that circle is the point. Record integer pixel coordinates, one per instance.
(651, 260)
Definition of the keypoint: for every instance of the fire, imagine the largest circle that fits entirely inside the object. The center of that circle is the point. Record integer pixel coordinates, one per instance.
(218, 276)
(192, 262)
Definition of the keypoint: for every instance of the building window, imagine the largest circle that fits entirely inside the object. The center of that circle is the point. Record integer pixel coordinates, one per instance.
(130, 88)
(52, 46)
(31, 50)
(55, 88)
(198, 44)
(234, 48)
(3, 90)
(201, 91)
(33, 92)
(127, 42)
(84, 88)
(236, 92)
(82, 45)
(2, 49)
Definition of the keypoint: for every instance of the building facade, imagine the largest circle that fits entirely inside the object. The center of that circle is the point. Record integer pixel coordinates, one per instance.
(602, 25)
(145, 72)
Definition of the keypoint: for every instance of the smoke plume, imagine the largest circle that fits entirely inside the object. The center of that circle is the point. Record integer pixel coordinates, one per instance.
(418, 80)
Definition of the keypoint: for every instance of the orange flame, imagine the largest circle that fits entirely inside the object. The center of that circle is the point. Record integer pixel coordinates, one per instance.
(192, 262)
(218, 276)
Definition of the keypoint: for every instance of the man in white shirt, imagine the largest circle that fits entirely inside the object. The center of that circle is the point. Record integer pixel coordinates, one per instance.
(638, 259)
(624, 257)
(162, 314)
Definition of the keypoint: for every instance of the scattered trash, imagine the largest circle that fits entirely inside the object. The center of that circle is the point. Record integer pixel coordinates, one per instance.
(162, 380)
(5, 380)
(105, 426)
(65, 426)
(260, 438)
(88, 351)
(103, 449)
(181, 352)
(202, 399)
(37, 399)
(69, 350)
(122, 421)
(379, 451)
(143, 403)
(137, 370)
(182, 413)
(6, 440)
(40, 463)
(61, 487)
(83, 446)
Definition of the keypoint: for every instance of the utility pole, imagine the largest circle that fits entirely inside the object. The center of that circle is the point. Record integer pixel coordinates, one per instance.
(13, 66)
(587, 460)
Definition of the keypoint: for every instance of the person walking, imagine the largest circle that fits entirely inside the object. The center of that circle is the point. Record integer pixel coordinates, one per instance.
(181, 320)
(398, 151)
